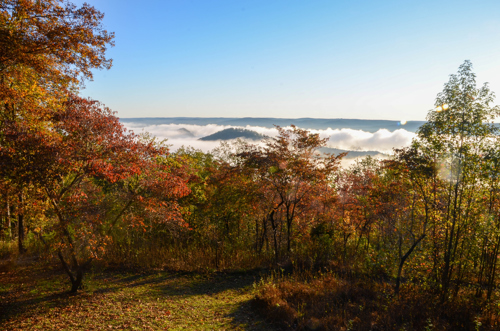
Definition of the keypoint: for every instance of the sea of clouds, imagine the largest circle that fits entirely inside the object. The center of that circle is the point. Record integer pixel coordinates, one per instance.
(179, 135)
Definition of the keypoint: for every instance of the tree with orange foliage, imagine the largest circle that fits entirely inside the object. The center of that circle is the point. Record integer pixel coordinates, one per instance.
(288, 168)
(94, 173)
(48, 48)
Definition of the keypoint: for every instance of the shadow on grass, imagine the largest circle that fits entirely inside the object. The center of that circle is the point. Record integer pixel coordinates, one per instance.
(37, 291)
(13, 308)
(186, 285)
(246, 317)
(182, 283)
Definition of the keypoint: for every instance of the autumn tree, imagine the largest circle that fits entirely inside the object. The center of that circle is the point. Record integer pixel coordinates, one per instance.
(412, 199)
(94, 175)
(26, 154)
(355, 211)
(48, 49)
(287, 169)
(489, 235)
(458, 133)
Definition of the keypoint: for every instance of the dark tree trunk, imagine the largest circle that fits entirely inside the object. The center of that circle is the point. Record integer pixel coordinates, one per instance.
(75, 273)
(275, 238)
(77, 284)
(20, 224)
(403, 260)
(256, 235)
(20, 236)
(9, 221)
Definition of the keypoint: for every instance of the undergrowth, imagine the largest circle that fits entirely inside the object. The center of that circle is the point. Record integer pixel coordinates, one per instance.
(196, 258)
(307, 300)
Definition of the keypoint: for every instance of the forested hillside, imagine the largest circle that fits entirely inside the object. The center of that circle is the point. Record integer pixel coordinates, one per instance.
(409, 243)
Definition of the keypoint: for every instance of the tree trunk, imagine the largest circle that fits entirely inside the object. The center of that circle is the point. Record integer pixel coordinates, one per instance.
(402, 262)
(75, 275)
(20, 224)
(9, 221)
(274, 226)
(288, 234)
(77, 284)
(448, 258)
(256, 234)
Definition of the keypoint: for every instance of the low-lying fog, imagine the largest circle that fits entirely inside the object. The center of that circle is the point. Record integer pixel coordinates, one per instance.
(381, 141)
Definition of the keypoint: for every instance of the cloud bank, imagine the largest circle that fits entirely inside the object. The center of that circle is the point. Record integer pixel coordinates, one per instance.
(179, 135)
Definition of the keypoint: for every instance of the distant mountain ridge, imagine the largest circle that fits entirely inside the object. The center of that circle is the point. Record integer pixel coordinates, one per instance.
(305, 123)
(234, 133)
(351, 154)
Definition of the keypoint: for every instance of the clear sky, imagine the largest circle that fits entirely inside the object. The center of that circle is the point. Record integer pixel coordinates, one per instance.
(370, 59)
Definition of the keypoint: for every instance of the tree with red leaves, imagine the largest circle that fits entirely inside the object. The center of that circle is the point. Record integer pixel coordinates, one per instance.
(94, 173)
(48, 48)
(288, 169)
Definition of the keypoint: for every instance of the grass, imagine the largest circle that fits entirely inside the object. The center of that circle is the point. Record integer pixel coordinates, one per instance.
(34, 297)
(327, 301)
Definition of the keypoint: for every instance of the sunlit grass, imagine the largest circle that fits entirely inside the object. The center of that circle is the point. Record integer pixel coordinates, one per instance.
(34, 299)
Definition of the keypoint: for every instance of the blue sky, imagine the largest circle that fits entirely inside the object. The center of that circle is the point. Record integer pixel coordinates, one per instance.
(273, 58)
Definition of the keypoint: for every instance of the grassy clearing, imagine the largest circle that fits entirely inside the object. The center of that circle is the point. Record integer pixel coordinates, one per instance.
(33, 298)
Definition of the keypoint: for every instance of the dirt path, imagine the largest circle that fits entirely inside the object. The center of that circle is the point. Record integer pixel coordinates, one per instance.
(31, 298)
